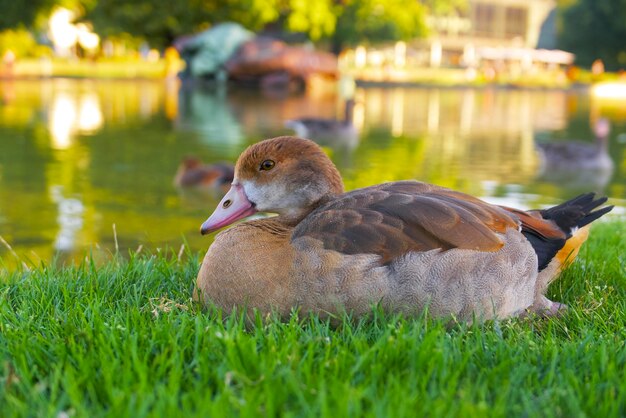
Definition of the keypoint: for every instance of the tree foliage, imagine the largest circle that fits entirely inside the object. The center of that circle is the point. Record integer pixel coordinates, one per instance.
(158, 21)
(375, 21)
(345, 21)
(22, 43)
(16, 13)
(161, 21)
(594, 29)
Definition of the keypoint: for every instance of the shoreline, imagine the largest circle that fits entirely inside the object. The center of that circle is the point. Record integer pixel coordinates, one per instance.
(362, 83)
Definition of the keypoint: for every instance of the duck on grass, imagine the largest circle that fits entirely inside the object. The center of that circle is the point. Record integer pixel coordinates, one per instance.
(404, 245)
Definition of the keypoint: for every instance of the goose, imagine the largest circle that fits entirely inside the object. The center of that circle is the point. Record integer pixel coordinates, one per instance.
(408, 246)
(578, 164)
(336, 133)
(193, 173)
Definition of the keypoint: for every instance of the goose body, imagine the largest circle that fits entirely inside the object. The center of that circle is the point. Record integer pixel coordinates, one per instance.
(577, 164)
(408, 246)
(578, 155)
(331, 132)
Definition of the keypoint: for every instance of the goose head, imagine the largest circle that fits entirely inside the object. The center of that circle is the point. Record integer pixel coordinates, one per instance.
(287, 175)
(602, 128)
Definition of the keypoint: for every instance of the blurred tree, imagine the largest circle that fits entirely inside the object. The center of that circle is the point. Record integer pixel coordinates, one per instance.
(344, 21)
(22, 43)
(388, 20)
(445, 7)
(15, 13)
(316, 18)
(594, 29)
(376, 20)
(161, 21)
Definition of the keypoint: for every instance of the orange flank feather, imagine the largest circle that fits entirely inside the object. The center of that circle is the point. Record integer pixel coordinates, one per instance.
(569, 252)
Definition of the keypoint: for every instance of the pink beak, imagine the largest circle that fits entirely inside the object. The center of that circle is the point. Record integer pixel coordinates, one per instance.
(234, 206)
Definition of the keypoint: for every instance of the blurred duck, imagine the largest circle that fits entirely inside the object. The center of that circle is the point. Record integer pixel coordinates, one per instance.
(329, 132)
(406, 245)
(193, 173)
(576, 163)
(579, 155)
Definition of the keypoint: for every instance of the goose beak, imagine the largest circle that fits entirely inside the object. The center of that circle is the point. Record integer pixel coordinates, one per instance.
(233, 206)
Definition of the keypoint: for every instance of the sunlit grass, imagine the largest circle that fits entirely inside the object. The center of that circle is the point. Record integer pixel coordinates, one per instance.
(101, 68)
(124, 339)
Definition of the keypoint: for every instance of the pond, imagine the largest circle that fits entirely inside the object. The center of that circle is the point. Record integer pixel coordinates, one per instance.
(87, 167)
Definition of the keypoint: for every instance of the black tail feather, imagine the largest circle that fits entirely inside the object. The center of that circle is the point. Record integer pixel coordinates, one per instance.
(576, 212)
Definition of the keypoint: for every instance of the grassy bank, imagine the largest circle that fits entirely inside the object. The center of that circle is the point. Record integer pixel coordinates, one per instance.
(136, 68)
(125, 340)
(117, 69)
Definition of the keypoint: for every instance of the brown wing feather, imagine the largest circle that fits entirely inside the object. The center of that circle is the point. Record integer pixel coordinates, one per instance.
(534, 222)
(394, 218)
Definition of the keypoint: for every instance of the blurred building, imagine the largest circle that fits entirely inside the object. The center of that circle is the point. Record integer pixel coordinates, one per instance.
(494, 29)
(494, 23)
(508, 41)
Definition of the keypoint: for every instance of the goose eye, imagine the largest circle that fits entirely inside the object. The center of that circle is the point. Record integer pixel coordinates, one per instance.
(267, 165)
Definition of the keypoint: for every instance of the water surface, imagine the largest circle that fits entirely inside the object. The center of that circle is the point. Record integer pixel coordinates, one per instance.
(87, 166)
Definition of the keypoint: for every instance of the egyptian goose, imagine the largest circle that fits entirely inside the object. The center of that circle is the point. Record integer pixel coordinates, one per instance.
(406, 245)
(193, 173)
(331, 132)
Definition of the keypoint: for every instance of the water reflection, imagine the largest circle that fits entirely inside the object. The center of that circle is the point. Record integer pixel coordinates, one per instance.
(467, 111)
(69, 219)
(70, 115)
(206, 111)
(77, 157)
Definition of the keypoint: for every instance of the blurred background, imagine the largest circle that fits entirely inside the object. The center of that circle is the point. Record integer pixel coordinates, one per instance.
(119, 119)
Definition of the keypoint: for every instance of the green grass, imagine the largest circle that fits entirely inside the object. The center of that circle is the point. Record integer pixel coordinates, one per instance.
(124, 340)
